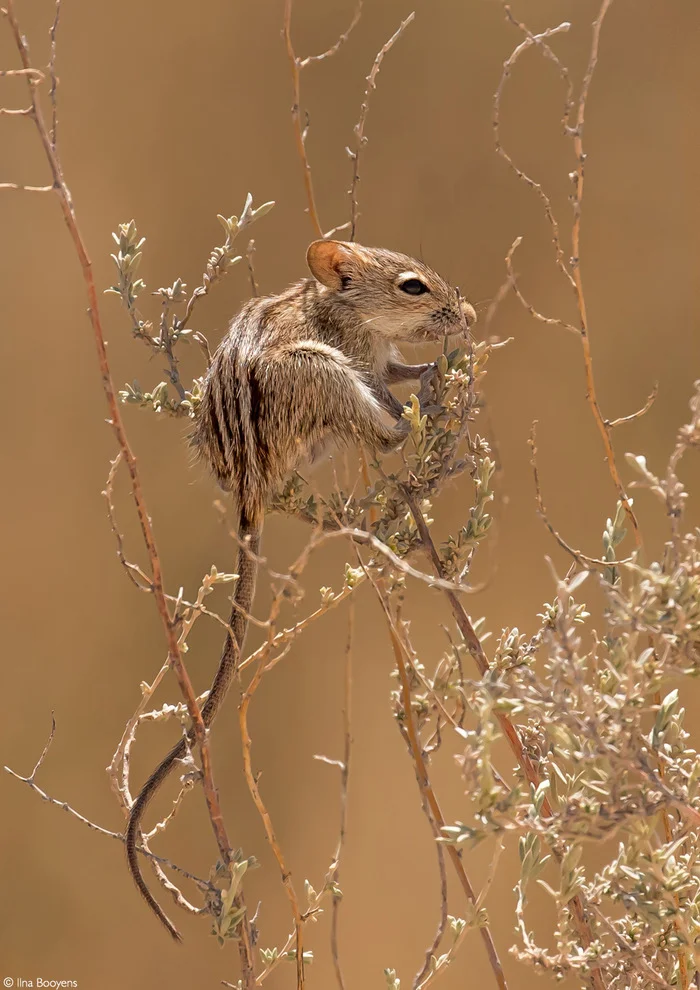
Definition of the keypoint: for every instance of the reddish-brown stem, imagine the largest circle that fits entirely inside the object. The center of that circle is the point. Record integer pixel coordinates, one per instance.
(360, 139)
(668, 835)
(115, 421)
(591, 394)
(572, 274)
(252, 781)
(424, 782)
(296, 118)
(344, 778)
(509, 730)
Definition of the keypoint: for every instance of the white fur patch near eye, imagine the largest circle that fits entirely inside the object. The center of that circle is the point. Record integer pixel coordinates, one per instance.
(412, 284)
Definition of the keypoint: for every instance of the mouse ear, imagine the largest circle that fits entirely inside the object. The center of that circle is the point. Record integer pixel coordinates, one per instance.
(332, 263)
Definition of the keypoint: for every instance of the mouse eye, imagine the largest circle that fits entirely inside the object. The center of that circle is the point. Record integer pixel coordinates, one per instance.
(414, 287)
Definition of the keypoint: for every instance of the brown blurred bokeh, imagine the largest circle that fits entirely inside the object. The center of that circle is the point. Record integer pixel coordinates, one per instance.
(170, 113)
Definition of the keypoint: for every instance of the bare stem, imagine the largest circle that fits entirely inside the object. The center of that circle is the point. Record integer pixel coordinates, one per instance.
(115, 421)
(572, 273)
(295, 65)
(17, 187)
(249, 252)
(64, 806)
(422, 777)
(591, 393)
(52, 74)
(341, 40)
(508, 65)
(581, 559)
(359, 129)
(344, 778)
(668, 835)
(252, 778)
(511, 733)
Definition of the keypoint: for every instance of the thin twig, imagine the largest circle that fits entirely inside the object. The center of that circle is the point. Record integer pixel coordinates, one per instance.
(118, 769)
(246, 741)
(493, 306)
(20, 188)
(249, 252)
(450, 719)
(581, 558)
(219, 263)
(423, 779)
(52, 74)
(31, 71)
(552, 320)
(573, 275)
(300, 133)
(166, 342)
(336, 230)
(252, 781)
(591, 393)
(668, 835)
(432, 950)
(135, 574)
(483, 894)
(344, 778)
(632, 952)
(360, 536)
(295, 65)
(177, 804)
(341, 40)
(359, 129)
(539, 40)
(64, 806)
(285, 637)
(477, 652)
(612, 423)
(115, 420)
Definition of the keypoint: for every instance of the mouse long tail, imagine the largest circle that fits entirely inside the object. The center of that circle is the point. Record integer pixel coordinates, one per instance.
(133, 831)
(250, 532)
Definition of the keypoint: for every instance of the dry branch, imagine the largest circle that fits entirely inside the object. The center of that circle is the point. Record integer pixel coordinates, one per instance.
(511, 733)
(299, 134)
(174, 655)
(572, 274)
(425, 786)
(359, 129)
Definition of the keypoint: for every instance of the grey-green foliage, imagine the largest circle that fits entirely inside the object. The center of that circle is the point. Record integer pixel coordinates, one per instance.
(599, 708)
(596, 698)
(176, 310)
(440, 447)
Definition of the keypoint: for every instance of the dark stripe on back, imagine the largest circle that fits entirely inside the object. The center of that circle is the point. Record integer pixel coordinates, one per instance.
(215, 425)
(230, 384)
(257, 404)
(230, 388)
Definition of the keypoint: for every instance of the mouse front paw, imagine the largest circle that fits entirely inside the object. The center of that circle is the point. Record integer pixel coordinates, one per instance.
(427, 380)
(428, 373)
(427, 395)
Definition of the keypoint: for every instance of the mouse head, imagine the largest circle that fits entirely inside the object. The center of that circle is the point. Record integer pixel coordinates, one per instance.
(397, 296)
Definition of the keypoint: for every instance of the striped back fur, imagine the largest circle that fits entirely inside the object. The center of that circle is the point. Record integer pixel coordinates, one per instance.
(293, 367)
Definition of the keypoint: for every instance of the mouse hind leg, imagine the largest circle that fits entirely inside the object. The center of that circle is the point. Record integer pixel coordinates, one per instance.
(316, 394)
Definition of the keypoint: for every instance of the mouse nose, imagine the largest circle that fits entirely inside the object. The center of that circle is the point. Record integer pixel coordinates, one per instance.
(468, 314)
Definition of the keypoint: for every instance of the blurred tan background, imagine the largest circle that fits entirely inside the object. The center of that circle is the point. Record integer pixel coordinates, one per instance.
(171, 113)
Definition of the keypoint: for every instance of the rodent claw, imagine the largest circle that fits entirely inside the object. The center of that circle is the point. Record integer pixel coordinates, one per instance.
(428, 375)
